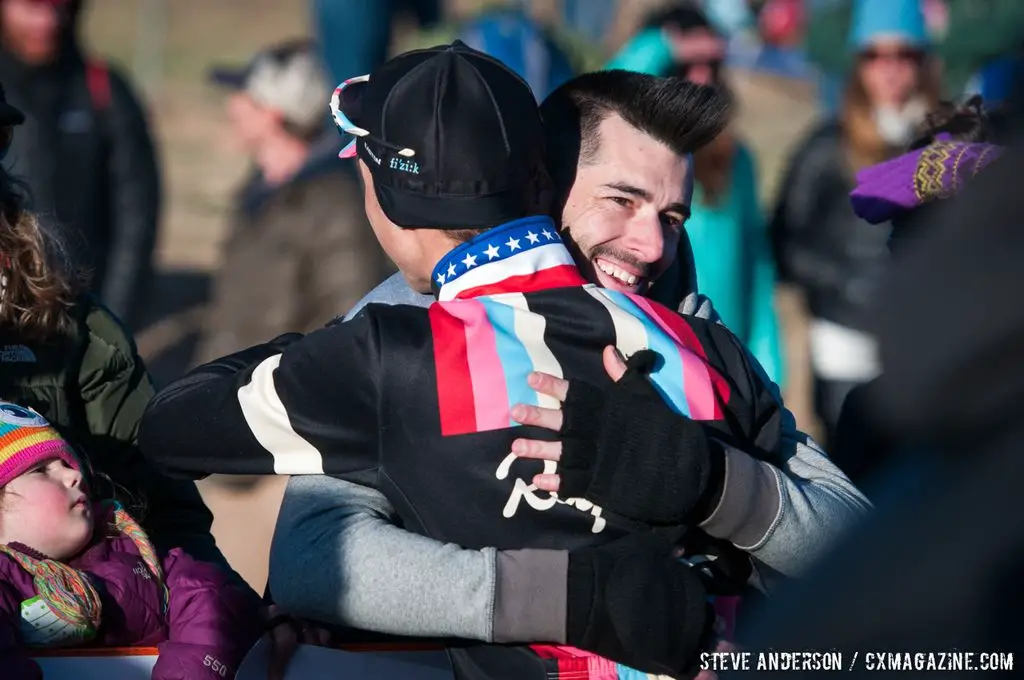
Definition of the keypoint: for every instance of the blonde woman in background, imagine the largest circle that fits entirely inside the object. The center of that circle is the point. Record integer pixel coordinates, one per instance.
(820, 245)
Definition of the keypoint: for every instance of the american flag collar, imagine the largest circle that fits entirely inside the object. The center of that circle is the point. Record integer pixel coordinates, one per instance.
(517, 257)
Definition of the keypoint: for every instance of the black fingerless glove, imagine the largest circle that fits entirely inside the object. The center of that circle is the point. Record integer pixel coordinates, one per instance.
(627, 451)
(632, 602)
(723, 568)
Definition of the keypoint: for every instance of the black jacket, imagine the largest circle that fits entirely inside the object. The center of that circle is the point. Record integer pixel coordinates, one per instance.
(820, 245)
(938, 566)
(89, 167)
(415, 402)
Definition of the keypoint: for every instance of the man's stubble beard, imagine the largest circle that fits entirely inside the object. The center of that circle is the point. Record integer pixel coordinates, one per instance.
(584, 257)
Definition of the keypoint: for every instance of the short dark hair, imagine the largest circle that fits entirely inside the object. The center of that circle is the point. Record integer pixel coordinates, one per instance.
(682, 115)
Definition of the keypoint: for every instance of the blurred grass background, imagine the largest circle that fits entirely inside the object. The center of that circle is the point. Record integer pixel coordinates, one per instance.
(200, 165)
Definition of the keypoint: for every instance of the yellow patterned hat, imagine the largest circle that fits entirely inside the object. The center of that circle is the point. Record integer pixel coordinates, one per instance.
(933, 172)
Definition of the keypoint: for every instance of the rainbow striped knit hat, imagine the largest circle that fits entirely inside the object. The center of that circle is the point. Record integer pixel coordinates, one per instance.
(26, 440)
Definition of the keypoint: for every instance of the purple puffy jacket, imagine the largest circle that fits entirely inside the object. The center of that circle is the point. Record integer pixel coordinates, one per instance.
(209, 628)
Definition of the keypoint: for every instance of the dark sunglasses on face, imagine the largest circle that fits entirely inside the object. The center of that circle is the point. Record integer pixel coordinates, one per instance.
(685, 69)
(906, 54)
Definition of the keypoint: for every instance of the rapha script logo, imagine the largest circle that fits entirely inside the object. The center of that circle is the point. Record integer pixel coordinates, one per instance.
(522, 491)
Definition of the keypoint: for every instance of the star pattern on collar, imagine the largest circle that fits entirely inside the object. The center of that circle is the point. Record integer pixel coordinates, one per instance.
(506, 243)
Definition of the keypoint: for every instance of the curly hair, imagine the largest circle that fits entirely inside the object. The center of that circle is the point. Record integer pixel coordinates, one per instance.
(38, 277)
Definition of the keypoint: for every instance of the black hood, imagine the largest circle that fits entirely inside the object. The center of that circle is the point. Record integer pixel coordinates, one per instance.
(950, 325)
(70, 45)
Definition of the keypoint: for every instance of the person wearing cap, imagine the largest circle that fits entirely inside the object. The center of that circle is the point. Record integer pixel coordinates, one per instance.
(298, 240)
(419, 402)
(85, 151)
(386, 579)
(820, 247)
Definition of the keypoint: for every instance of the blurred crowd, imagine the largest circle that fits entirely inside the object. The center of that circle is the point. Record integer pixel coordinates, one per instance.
(306, 255)
(80, 157)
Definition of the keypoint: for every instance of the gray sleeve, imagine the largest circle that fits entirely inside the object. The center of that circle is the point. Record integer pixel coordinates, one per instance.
(337, 557)
(394, 290)
(817, 504)
(750, 501)
(788, 510)
(699, 306)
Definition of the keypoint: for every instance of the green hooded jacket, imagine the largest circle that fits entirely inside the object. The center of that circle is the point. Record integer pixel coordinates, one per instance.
(92, 385)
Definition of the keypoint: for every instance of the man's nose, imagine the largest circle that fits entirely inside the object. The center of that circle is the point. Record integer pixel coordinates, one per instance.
(645, 238)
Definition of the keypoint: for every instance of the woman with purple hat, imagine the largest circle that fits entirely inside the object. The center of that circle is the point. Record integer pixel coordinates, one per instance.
(905, 192)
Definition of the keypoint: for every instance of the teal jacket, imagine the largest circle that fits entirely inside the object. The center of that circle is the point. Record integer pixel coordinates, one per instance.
(734, 265)
(729, 239)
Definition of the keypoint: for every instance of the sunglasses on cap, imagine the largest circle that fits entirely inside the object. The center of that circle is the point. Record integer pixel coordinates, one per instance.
(344, 98)
(901, 54)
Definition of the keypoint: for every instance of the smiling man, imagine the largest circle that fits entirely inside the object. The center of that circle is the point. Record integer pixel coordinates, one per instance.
(627, 207)
(621, 196)
(417, 402)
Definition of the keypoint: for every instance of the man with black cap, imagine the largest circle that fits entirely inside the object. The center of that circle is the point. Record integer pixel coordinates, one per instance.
(613, 142)
(417, 402)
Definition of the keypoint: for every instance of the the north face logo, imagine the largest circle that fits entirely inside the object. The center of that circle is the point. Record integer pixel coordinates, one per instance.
(16, 354)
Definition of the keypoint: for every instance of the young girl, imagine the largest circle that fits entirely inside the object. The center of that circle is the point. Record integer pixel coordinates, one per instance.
(75, 572)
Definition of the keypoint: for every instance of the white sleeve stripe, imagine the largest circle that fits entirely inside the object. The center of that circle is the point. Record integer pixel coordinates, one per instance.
(268, 420)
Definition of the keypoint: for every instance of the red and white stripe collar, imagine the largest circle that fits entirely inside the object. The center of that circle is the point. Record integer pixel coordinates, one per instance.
(523, 256)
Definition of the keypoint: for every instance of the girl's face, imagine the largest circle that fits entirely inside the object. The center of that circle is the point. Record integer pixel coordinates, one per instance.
(47, 510)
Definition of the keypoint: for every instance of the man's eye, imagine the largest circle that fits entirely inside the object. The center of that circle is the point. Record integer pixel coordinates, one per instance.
(673, 222)
(621, 200)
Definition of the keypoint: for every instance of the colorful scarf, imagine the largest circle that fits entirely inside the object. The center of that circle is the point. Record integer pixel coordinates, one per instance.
(931, 173)
(69, 592)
